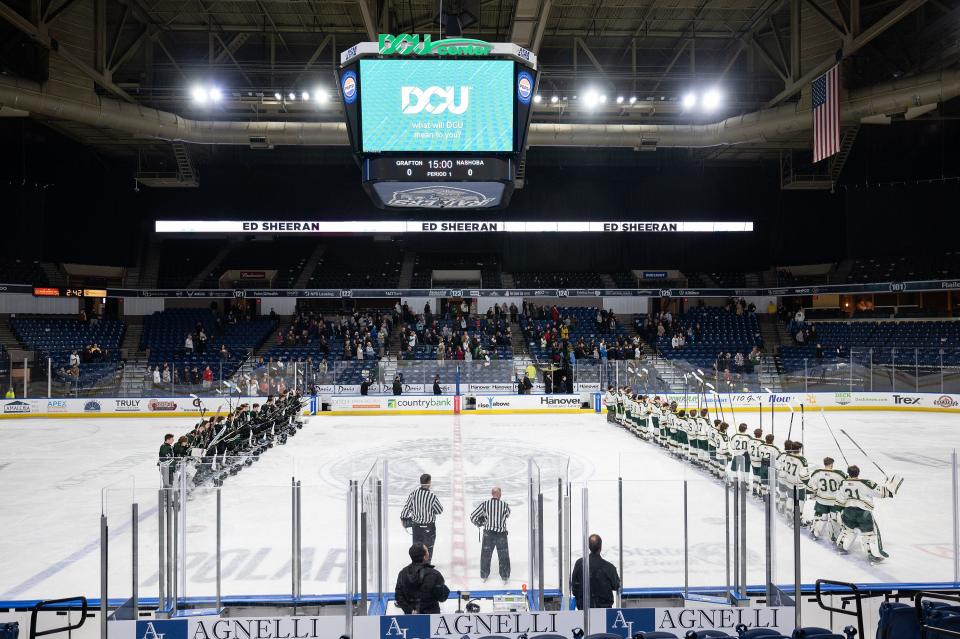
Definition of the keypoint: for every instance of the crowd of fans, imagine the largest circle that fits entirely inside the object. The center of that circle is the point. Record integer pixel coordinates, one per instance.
(455, 334)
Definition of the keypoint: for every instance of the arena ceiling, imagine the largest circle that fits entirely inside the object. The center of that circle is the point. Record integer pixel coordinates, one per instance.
(759, 53)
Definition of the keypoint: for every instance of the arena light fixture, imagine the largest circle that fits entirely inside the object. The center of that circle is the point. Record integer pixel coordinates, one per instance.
(321, 96)
(537, 98)
(633, 99)
(591, 98)
(689, 100)
(603, 99)
(305, 96)
(554, 99)
(277, 96)
(619, 99)
(292, 96)
(711, 100)
(199, 94)
(215, 94)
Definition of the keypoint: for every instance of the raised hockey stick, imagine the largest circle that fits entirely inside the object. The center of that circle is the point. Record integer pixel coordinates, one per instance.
(790, 430)
(773, 422)
(860, 448)
(824, 417)
(732, 412)
(803, 429)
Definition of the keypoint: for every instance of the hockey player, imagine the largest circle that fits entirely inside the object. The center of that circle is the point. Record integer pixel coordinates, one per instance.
(857, 498)
(792, 472)
(768, 457)
(611, 401)
(620, 405)
(702, 433)
(722, 447)
(825, 482)
(740, 454)
(754, 452)
(673, 435)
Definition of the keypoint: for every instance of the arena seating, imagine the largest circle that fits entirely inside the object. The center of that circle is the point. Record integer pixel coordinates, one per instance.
(719, 279)
(182, 260)
(583, 325)
(14, 270)
(890, 341)
(901, 268)
(625, 279)
(557, 280)
(164, 333)
(58, 337)
(287, 257)
(358, 263)
(720, 331)
(426, 263)
(487, 328)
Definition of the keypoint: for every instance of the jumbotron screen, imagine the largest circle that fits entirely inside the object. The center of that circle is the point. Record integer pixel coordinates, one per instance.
(463, 106)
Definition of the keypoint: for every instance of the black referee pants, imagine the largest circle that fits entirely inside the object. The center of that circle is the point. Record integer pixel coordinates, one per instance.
(426, 534)
(493, 540)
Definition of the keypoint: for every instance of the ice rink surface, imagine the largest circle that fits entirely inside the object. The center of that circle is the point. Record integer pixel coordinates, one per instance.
(58, 475)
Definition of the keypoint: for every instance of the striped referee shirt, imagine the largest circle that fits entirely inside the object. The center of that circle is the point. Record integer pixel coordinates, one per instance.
(492, 515)
(422, 507)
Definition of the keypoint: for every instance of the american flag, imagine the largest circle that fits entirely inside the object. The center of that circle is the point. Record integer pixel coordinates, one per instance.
(826, 114)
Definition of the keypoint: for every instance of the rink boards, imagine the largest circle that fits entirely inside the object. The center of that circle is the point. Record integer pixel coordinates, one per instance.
(476, 402)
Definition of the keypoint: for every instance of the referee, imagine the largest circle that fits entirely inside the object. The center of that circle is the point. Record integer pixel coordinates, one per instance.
(420, 513)
(492, 515)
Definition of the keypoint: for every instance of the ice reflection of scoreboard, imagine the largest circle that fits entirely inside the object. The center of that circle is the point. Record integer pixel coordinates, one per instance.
(438, 124)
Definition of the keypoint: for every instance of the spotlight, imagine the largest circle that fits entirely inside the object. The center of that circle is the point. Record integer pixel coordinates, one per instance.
(711, 100)
(199, 95)
(321, 96)
(305, 96)
(537, 98)
(633, 99)
(215, 94)
(554, 99)
(292, 96)
(619, 99)
(603, 99)
(689, 100)
(277, 96)
(591, 98)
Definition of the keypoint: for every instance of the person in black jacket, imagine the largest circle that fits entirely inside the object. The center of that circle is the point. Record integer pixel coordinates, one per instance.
(165, 461)
(420, 586)
(436, 386)
(397, 385)
(604, 580)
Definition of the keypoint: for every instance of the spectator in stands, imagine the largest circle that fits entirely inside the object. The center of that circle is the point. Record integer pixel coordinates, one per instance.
(397, 385)
(74, 359)
(10, 394)
(738, 362)
(800, 316)
(188, 344)
(207, 377)
(819, 352)
(224, 353)
(165, 374)
(156, 377)
(200, 344)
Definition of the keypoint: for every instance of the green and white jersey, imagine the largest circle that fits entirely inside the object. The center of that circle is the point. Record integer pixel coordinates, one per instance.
(792, 470)
(715, 440)
(768, 453)
(754, 448)
(702, 428)
(860, 493)
(611, 399)
(723, 444)
(740, 444)
(825, 483)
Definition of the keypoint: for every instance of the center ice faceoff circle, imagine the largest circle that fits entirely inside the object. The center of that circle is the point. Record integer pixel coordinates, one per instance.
(486, 462)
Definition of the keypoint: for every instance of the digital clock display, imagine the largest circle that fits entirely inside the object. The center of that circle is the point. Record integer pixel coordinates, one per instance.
(436, 168)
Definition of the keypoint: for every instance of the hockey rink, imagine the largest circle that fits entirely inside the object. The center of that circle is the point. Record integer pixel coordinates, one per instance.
(58, 475)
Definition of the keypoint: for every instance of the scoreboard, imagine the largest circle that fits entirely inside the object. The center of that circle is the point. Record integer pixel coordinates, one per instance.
(437, 124)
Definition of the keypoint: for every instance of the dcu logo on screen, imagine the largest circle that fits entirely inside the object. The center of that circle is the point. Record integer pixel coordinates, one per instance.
(524, 87)
(414, 100)
(348, 84)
